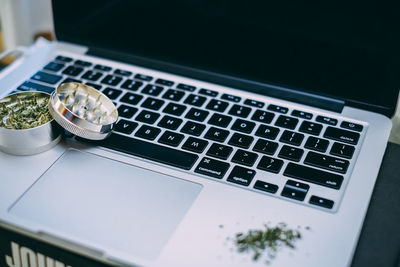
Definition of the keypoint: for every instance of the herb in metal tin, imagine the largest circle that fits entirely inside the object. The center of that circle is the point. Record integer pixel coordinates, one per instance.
(267, 241)
(26, 113)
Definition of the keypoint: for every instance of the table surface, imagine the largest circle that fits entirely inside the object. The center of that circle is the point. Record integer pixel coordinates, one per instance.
(379, 243)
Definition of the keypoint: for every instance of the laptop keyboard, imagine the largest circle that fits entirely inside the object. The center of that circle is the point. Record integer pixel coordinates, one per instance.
(238, 141)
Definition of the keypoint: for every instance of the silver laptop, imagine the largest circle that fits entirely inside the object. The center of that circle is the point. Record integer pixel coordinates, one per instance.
(232, 117)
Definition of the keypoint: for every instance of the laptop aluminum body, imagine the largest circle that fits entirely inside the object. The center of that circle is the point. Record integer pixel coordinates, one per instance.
(123, 209)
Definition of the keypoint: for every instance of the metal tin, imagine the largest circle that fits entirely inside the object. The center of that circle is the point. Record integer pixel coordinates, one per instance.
(83, 110)
(28, 141)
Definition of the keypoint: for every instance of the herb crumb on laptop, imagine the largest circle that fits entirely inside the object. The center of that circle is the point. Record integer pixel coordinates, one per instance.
(266, 241)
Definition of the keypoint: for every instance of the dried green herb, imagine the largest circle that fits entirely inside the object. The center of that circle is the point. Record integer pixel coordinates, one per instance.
(268, 240)
(25, 113)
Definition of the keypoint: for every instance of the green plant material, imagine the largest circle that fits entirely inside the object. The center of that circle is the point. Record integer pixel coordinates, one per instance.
(26, 113)
(267, 240)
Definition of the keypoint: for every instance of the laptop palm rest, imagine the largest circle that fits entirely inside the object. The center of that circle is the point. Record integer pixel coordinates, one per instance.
(109, 203)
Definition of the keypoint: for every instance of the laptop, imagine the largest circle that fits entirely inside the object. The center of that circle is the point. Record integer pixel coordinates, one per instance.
(234, 119)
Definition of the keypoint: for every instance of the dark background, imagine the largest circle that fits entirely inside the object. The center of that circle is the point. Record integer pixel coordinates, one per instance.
(343, 49)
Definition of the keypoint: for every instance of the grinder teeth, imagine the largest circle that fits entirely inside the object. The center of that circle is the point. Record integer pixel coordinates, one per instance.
(91, 110)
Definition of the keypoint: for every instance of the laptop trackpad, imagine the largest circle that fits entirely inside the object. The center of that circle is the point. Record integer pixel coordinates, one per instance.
(108, 203)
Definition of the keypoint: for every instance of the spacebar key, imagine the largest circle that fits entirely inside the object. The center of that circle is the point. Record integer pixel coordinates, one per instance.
(313, 175)
(150, 151)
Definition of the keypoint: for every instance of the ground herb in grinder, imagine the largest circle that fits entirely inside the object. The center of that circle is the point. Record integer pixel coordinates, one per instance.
(28, 112)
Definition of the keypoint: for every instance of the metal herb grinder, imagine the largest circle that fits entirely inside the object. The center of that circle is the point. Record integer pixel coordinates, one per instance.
(31, 140)
(75, 107)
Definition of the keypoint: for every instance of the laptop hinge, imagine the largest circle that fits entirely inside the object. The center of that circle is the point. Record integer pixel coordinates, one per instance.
(298, 96)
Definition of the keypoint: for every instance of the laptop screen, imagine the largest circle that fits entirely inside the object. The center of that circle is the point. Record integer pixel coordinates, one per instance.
(346, 50)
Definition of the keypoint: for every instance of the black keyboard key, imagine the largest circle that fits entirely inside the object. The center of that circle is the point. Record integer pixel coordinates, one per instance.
(268, 132)
(297, 185)
(132, 99)
(195, 100)
(152, 89)
(46, 77)
(217, 105)
(152, 103)
(186, 87)
(292, 138)
(262, 116)
(111, 80)
(265, 147)
(95, 86)
(302, 114)
(327, 162)
(310, 127)
(326, 120)
(147, 116)
(242, 176)
(193, 128)
(266, 187)
(240, 111)
(195, 145)
(102, 67)
(254, 103)
(112, 93)
(270, 164)
(131, 85)
(72, 71)
(82, 63)
(342, 150)
(351, 126)
(219, 151)
(171, 138)
(92, 75)
(313, 175)
(322, 202)
(126, 111)
(216, 134)
(143, 77)
(151, 151)
(164, 82)
(173, 94)
(208, 92)
(241, 140)
(54, 66)
(232, 98)
(342, 135)
(122, 72)
(174, 109)
(70, 80)
(148, 132)
(31, 86)
(212, 167)
(279, 109)
(291, 153)
(286, 122)
(197, 114)
(244, 157)
(126, 127)
(295, 190)
(64, 59)
(316, 144)
(243, 126)
(219, 120)
(169, 122)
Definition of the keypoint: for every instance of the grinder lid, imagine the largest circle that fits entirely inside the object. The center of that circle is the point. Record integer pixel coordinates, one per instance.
(83, 110)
